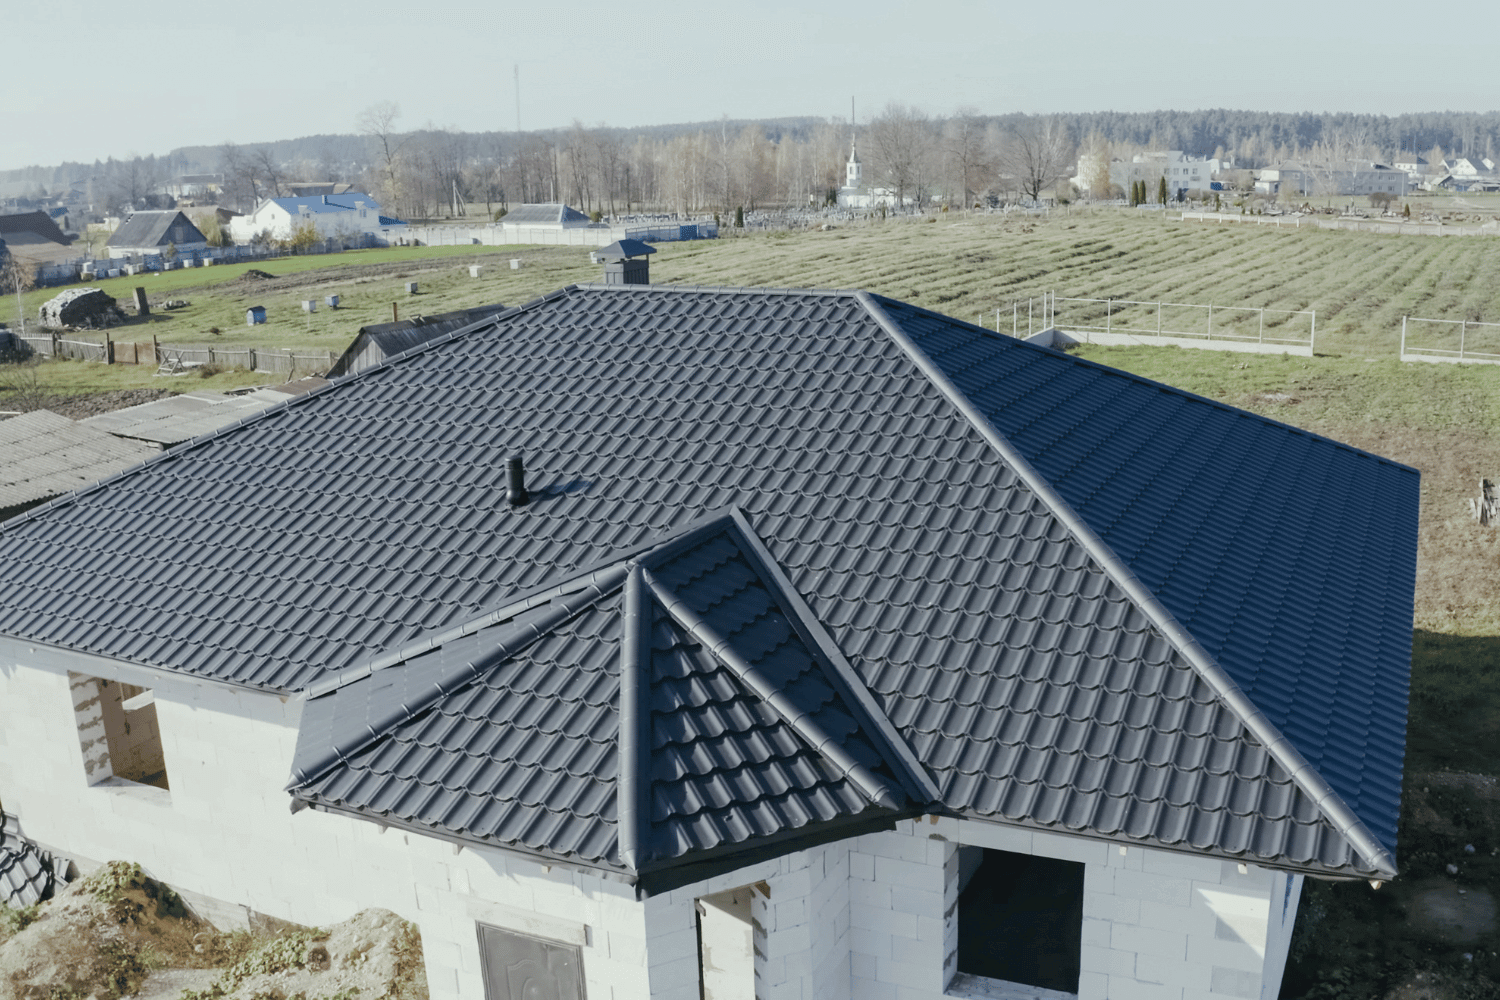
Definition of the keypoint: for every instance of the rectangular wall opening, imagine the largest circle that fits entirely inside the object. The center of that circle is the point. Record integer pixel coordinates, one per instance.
(522, 967)
(726, 944)
(1020, 919)
(118, 731)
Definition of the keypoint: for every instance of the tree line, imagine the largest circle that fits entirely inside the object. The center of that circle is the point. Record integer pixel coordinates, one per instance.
(962, 158)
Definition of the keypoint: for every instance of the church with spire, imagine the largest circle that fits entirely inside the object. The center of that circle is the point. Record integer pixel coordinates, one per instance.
(854, 194)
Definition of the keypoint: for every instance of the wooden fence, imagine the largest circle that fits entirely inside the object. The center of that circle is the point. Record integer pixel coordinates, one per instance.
(278, 360)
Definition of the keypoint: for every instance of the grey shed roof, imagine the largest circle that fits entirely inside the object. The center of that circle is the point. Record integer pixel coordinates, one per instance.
(1083, 601)
(155, 229)
(545, 214)
(622, 249)
(44, 454)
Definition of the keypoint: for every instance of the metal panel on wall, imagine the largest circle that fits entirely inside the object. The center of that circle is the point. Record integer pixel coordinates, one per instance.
(520, 967)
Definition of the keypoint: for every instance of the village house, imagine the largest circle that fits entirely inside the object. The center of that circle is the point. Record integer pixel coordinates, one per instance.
(680, 642)
(352, 217)
(35, 238)
(155, 232)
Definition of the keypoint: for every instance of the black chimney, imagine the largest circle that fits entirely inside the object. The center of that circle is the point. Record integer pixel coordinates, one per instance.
(517, 494)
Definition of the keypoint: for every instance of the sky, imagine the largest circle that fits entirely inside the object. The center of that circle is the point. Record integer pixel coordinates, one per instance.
(148, 80)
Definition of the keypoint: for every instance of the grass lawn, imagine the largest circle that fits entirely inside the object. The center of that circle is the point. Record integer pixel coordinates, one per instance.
(1354, 942)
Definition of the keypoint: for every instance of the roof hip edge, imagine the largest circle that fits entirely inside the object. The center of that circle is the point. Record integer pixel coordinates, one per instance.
(918, 783)
(1278, 746)
(873, 787)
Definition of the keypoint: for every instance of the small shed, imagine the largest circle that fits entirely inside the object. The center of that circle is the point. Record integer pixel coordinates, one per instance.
(379, 341)
(255, 315)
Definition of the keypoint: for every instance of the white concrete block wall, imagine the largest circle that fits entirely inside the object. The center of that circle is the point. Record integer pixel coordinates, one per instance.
(869, 917)
(225, 831)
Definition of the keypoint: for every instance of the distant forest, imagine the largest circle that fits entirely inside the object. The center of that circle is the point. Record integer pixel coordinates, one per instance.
(717, 165)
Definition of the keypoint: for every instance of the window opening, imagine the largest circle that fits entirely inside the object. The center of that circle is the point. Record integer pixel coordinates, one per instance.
(1020, 919)
(521, 967)
(726, 944)
(118, 731)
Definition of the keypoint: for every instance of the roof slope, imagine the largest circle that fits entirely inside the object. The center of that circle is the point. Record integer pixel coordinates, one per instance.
(1255, 535)
(155, 229)
(318, 204)
(44, 454)
(934, 558)
(549, 214)
(662, 710)
(39, 224)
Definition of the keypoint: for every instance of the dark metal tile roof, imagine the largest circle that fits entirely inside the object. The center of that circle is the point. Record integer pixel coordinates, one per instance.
(1275, 548)
(25, 872)
(522, 733)
(896, 465)
(544, 214)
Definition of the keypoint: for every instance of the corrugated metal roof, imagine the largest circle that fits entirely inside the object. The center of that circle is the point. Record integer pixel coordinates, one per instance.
(155, 229)
(175, 419)
(321, 203)
(43, 454)
(896, 464)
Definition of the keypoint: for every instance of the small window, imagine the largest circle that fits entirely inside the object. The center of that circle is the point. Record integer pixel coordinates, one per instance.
(1020, 919)
(118, 732)
(521, 967)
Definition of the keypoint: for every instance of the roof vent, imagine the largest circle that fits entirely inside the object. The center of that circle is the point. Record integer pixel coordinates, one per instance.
(625, 262)
(517, 494)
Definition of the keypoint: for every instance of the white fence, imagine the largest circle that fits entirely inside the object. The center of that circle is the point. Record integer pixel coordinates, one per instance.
(1452, 340)
(503, 233)
(1128, 321)
(1388, 226)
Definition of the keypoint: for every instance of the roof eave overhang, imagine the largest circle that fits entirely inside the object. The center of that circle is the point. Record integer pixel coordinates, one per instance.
(62, 659)
(657, 878)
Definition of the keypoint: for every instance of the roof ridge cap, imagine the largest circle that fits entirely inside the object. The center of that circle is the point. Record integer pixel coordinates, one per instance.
(1303, 774)
(599, 286)
(918, 782)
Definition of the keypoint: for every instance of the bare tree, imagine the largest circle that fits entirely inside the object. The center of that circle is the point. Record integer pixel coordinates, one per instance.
(1037, 151)
(267, 167)
(901, 145)
(1093, 166)
(378, 121)
(963, 142)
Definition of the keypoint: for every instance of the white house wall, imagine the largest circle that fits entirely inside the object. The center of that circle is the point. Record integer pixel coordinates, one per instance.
(225, 831)
(866, 918)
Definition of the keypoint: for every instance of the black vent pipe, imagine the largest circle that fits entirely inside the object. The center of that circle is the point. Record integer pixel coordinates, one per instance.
(517, 494)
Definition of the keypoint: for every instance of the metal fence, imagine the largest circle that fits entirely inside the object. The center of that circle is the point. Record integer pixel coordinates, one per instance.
(1123, 321)
(90, 268)
(1456, 340)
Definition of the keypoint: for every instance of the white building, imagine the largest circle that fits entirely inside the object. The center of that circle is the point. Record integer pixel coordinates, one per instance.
(799, 655)
(854, 193)
(346, 217)
(1183, 173)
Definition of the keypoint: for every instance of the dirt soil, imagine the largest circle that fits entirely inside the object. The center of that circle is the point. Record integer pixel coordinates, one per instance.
(119, 933)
